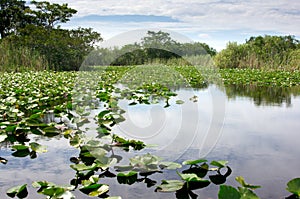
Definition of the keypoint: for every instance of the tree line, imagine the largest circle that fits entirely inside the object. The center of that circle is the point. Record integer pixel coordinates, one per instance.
(32, 38)
(154, 47)
(267, 52)
(35, 31)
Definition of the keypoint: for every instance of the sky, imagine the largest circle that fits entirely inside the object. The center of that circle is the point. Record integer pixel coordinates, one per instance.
(215, 22)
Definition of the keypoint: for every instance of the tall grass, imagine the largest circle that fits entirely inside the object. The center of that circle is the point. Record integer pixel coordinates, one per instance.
(18, 59)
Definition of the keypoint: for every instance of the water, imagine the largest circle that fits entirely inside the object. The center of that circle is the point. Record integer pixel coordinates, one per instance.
(255, 129)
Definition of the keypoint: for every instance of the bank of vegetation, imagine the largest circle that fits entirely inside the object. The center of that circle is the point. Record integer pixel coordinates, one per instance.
(32, 39)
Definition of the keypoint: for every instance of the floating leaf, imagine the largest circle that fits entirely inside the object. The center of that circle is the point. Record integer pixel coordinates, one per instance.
(220, 163)
(179, 101)
(228, 192)
(50, 131)
(247, 193)
(19, 191)
(127, 178)
(83, 167)
(169, 165)
(170, 186)
(193, 162)
(293, 186)
(242, 182)
(37, 147)
(21, 150)
(95, 189)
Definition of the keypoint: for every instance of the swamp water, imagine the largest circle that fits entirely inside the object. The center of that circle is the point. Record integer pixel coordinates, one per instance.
(255, 129)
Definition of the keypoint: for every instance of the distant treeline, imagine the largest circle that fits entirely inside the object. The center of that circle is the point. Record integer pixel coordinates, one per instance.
(31, 39)
(155, 46)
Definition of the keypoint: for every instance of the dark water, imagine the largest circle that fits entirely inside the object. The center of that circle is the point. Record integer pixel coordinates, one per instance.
(255, 129)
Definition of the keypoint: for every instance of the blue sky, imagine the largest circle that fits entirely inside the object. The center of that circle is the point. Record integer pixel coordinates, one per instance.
(213, 22)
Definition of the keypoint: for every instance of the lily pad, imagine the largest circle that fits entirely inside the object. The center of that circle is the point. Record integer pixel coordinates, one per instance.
(293, 186)
(194, 162)
(228, 192)
(220, 163)
(242, 182)
(170, 186)
(19, 191)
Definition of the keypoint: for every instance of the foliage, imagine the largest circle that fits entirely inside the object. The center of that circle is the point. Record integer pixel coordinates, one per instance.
(155, 47)
(257, 77)
(40, 34)
(14, 14)
(268, 52)
(17, 59)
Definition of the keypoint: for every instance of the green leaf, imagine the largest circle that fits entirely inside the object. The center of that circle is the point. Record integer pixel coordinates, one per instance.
(95, 189)
(19, 191)
(170, 165)
(170, 186)
(191, 177)
(247, 193)
(37, 147)
(242, 182)
(39, 184)
(293, 186)
(127, 178)
(194, 162)
(179, 101)
(83, 167)
(228, 192)
(20, 147)
(220, 163)
(21, 151)
(51, 131)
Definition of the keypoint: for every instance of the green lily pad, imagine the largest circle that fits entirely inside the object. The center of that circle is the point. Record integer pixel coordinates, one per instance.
(179, 102)
(19, 191)
(37, 147)
(95, 189)
(228, 192)
(127, 178)
(83, 167)
(169, 165)
(242, 182)
(293, 186)
(247, 193)
(220, 163)
(194, 162)
(170, 186)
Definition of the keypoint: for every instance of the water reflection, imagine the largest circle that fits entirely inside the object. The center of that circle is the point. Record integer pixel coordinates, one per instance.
(263, 95)
(259, 140)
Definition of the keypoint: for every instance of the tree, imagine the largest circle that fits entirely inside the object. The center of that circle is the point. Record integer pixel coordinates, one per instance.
(48, 15)
(14, 14)
(64, 49)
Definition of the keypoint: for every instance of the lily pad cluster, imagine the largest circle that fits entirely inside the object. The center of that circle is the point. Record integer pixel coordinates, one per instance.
(63, 104)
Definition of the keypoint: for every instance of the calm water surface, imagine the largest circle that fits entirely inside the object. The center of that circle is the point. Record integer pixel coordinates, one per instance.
(255, 129)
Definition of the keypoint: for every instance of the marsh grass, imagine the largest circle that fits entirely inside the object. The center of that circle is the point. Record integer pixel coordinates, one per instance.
(18, 59)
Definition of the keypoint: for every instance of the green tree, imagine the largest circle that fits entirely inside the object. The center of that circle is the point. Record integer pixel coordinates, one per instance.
(48, 15)
(14, 14)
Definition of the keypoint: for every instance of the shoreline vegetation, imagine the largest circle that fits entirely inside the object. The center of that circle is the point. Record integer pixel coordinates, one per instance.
(41, 76)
